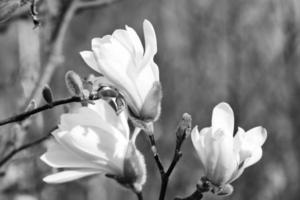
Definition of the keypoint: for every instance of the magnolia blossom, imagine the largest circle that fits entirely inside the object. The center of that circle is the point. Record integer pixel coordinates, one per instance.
(95, 140)
(224, 156)
(130, 68)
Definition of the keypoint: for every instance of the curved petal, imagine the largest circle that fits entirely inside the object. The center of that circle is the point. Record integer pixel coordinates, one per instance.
(223, 118)
(117, 66)
(89, 58)
(256, 154)
(134, 38)
(108, 114)
(69, 175)
(59, 157)
(145, 80)
(87, 117)
(150, 39)
(256, 136)
(238, 146)
(198, 139)
(95, 144)
(221, 159)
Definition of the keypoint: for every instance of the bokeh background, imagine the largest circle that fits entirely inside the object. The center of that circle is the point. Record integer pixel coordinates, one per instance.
(244, 52)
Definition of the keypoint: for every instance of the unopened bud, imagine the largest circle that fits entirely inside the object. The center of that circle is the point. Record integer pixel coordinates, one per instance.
(74, 83)
(47, 94)
(184, 126)
(134, 171)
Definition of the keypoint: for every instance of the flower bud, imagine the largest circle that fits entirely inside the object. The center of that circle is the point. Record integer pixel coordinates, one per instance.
(74, 83)
(47, 94)
(134, 171)
(184, 126)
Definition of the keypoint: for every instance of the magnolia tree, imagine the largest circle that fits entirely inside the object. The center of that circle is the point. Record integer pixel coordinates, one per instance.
(122, 100)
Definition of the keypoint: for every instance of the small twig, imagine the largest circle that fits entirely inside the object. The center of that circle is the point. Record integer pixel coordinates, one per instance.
(25, 115)
(183, 129)
(83, 4)
(155, 154)
(139, 195)
(23, 147)
(176, 157)
(56, 56)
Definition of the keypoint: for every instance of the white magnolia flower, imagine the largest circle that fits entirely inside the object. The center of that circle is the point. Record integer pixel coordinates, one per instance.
(130, 68)
(223, 156)
(95, 140)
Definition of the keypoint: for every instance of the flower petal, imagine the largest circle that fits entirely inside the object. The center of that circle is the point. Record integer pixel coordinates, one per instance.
(221, 158)
(70, 175)
(95, 144)
(138, 47)
(150, 39)
(198, 139)
(108, 114)
(87, 117)
(222, 118)
(257, 136)
(59, 157)
(89, 58)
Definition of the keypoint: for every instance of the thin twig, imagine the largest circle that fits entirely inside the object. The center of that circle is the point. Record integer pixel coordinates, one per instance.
(155, 154)
(25, 115)
(176, 157)
(139, 195)
(56, 57)
(183, 129)
(23, 147)
(83, 4)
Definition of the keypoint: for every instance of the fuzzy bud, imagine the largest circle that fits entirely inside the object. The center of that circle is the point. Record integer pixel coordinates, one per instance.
(47, 94)
(184, 126)
(74, 83)
(134, 171)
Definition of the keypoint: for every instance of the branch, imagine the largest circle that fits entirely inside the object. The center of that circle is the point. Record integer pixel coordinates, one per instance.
(56, 57)
(183, 129)
(25, 115)
(25, 146)
(155, 154)
(139, 195)
(84, 4)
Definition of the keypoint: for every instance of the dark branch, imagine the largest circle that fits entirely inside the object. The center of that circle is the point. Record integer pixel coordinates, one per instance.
(156, 156)
(25, 115)
(25, 146)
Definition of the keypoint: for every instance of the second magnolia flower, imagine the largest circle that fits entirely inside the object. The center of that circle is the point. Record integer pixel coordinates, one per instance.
(224, 157)
(130, 68)
(95, 140)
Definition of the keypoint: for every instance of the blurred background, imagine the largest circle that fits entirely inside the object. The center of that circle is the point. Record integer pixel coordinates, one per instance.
(244, 52)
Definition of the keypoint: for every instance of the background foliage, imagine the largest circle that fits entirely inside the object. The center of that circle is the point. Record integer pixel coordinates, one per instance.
(240, 51)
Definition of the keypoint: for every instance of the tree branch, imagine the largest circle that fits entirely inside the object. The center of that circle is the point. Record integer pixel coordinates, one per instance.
(25, 115)
(25, 146)
(183, 129)
(56, 57)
